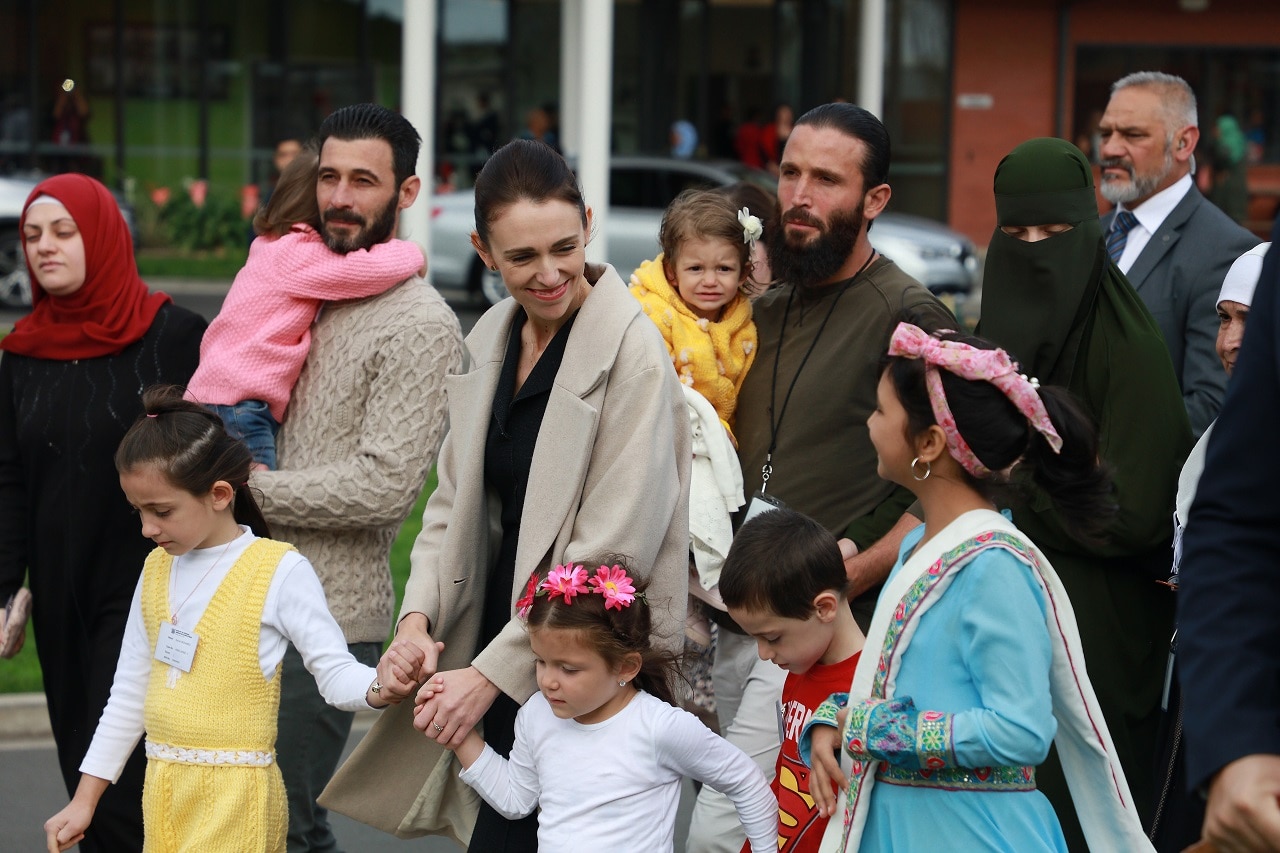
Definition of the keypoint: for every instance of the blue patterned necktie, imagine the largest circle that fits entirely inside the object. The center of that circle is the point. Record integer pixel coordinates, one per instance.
(1119, 234)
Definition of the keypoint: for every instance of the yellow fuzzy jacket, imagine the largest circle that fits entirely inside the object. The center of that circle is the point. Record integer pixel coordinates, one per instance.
(712, 358)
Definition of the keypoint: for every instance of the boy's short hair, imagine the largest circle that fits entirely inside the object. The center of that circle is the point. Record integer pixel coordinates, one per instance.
(780, 561)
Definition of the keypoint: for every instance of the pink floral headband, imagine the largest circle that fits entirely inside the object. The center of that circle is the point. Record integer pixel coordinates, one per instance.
(968, 362)
(610, 581)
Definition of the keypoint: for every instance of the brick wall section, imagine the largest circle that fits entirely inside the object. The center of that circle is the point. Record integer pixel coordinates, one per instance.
(1011, 53)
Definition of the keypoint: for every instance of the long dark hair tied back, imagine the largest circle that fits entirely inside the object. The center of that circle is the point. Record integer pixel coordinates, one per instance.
(190, 446)
(613, 633)
(1076, 480)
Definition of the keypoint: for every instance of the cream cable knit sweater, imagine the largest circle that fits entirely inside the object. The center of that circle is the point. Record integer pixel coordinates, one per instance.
(366, 420)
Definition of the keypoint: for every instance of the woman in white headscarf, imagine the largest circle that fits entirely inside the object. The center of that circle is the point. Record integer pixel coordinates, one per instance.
(1179, 815)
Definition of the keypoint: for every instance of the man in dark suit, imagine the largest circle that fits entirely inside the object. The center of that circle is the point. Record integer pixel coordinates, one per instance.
(1229, 602)
(1173, 245)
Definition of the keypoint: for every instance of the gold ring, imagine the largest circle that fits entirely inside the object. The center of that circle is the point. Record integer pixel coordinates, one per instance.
(376, 688)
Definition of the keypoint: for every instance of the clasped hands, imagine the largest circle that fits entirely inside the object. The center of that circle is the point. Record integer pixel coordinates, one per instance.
(451, 703)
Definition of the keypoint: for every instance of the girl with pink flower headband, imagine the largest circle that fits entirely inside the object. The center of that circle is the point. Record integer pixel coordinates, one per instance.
(602, 748)
(973, 664)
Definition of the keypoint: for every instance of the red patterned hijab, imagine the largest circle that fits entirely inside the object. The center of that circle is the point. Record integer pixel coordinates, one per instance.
(113, 309)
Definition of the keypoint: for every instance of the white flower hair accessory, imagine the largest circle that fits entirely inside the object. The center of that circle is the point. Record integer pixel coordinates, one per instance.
(752, 227)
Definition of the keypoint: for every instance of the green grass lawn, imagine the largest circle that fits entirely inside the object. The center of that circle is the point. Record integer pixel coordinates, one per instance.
(22, 674)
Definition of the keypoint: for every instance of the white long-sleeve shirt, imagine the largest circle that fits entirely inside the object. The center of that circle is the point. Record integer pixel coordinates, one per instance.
(295, 611)
(615, 785)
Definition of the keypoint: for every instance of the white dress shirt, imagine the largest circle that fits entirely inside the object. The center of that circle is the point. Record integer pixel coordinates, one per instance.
(1151, 214)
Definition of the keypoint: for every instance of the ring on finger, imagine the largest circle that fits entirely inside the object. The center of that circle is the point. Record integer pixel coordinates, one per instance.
(437, 727)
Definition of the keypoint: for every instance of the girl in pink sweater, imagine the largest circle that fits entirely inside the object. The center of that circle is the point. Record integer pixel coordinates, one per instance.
(252, 353)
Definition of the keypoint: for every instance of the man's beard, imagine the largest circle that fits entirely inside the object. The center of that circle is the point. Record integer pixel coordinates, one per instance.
(1138, 186)
(814, 263)
(367, 236)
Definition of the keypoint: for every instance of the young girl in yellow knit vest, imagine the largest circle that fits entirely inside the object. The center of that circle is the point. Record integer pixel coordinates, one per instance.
(199, 670)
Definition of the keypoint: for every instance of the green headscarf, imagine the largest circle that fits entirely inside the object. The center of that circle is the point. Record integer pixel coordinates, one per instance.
(1036, 297)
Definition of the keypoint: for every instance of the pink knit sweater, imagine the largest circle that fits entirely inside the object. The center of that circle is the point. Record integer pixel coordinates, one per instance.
(255, 347)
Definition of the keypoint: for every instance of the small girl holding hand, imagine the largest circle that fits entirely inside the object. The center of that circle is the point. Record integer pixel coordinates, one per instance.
(602, 747)
(973, 663)
(254, 349)
(199, 668)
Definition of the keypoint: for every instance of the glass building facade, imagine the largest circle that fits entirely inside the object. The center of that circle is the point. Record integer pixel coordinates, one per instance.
(154, 94)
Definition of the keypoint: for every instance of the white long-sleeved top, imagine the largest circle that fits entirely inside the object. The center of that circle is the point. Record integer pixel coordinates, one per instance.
(295, 611)
(615, 785)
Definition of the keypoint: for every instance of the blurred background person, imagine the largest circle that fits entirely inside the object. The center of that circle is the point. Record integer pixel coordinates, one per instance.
(70, 387)
(1179, 813)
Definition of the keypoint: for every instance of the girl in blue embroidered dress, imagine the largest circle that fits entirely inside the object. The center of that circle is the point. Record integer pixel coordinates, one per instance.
(972, 665)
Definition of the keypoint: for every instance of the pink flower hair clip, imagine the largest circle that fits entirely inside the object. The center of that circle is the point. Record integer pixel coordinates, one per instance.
(612, 582)
(567, 580)
(617, 588)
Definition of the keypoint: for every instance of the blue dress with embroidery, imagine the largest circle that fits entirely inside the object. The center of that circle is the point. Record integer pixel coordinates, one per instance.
(981, 653)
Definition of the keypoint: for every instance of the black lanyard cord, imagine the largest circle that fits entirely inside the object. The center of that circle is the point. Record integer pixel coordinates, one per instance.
(776, 425)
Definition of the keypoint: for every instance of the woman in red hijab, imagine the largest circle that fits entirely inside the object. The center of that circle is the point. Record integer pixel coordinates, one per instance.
(71, 378)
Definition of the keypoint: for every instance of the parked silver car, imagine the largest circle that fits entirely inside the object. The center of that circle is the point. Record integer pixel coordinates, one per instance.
(15, 286)
(640, 188)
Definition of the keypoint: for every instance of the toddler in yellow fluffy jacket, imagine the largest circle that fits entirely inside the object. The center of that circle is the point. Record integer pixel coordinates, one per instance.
(692, 292)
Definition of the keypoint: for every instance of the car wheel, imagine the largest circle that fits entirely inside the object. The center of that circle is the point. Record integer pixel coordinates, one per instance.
(15, 286)
(491, 286)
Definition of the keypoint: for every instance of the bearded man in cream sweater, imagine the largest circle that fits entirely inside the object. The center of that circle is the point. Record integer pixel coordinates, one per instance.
(363, 427)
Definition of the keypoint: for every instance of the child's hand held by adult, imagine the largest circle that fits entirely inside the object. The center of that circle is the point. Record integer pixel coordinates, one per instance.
(398, 669)
(447, 715)
(415, 630)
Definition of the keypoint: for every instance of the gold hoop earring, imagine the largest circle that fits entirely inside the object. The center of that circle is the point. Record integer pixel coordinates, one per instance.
(928, 469)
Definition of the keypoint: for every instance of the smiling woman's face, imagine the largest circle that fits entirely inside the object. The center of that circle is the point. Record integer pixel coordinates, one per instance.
(54, 248)
(540, 250)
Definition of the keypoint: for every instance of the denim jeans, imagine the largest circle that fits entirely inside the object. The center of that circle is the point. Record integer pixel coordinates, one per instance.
(251, 422)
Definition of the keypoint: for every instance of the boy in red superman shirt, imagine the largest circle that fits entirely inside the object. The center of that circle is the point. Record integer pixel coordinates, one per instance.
(784, 583)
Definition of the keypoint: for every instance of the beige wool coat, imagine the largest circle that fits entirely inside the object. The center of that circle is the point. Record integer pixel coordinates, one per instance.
(610, 474)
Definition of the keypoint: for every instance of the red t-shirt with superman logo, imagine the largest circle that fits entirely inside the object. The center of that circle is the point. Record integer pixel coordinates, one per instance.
(799, 826)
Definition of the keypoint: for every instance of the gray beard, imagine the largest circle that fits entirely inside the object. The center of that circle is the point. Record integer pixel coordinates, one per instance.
(1136, 187)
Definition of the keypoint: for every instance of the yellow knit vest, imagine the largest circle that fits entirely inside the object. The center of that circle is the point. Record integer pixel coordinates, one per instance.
(223, 703)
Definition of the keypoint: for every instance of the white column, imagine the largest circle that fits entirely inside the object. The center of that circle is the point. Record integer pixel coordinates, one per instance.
(871, 57)
(595, 75)
(417, 104)
(571, 66)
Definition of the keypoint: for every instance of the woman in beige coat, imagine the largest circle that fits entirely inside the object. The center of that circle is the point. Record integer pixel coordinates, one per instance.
(568, 439)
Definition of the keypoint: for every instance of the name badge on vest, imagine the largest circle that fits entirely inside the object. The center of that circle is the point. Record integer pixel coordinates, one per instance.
(176, 647)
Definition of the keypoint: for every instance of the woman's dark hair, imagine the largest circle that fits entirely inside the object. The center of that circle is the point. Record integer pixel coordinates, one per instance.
(293, 200)
(613, 633)
(523, 170)
(189, 444)
(779, 562)
(863, 126)
(373, 121)
(1076, 480)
